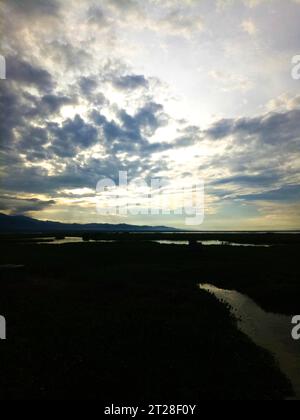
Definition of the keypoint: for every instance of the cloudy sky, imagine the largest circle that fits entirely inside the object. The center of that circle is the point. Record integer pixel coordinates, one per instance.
(181, 90)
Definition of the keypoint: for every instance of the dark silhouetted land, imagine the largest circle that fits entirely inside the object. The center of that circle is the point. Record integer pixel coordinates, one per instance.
(126, 321)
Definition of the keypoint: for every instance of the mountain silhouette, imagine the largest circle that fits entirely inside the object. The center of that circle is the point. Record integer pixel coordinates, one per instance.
(23, 224)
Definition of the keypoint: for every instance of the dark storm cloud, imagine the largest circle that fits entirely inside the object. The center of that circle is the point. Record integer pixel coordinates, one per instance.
(23, 118)
(88, 85)
(130, 82)
(252, 180)
(124, 5)
(44, 107)
(16, 112)
(185, 142)
(189, 136)
(261, 156)
(67, 55)
(32, 141)
(31, 131)
(26, 74)
(273, 128)
(17, 205)
(287, 193)
(130, 135)
(96, 16)
(23, 179)
(221, 129)
(71, 137)
(51, 104)
(29, 128)
(10, 114)
(149, 118)
(35, 7)
(61, 142)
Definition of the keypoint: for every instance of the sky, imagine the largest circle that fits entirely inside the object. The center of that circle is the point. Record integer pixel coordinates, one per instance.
(189, 91)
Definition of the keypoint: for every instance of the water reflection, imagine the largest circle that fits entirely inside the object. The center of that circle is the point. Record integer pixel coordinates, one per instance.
(69, 240)
(267, 330)
(74, 240)
(210, 243)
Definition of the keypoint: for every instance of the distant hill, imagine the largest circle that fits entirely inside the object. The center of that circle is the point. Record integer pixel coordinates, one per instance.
(23, 224)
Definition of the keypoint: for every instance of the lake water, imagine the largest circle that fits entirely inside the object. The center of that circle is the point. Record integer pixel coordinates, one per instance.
(210, 243)
(68, 240)
(73, 240)
(267, 330)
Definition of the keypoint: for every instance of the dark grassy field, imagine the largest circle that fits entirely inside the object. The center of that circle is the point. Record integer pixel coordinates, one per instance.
(126, 322)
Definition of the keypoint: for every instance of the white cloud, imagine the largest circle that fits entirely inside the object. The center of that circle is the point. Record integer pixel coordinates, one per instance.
(230, 81)
(249, 27)
(284, 102)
